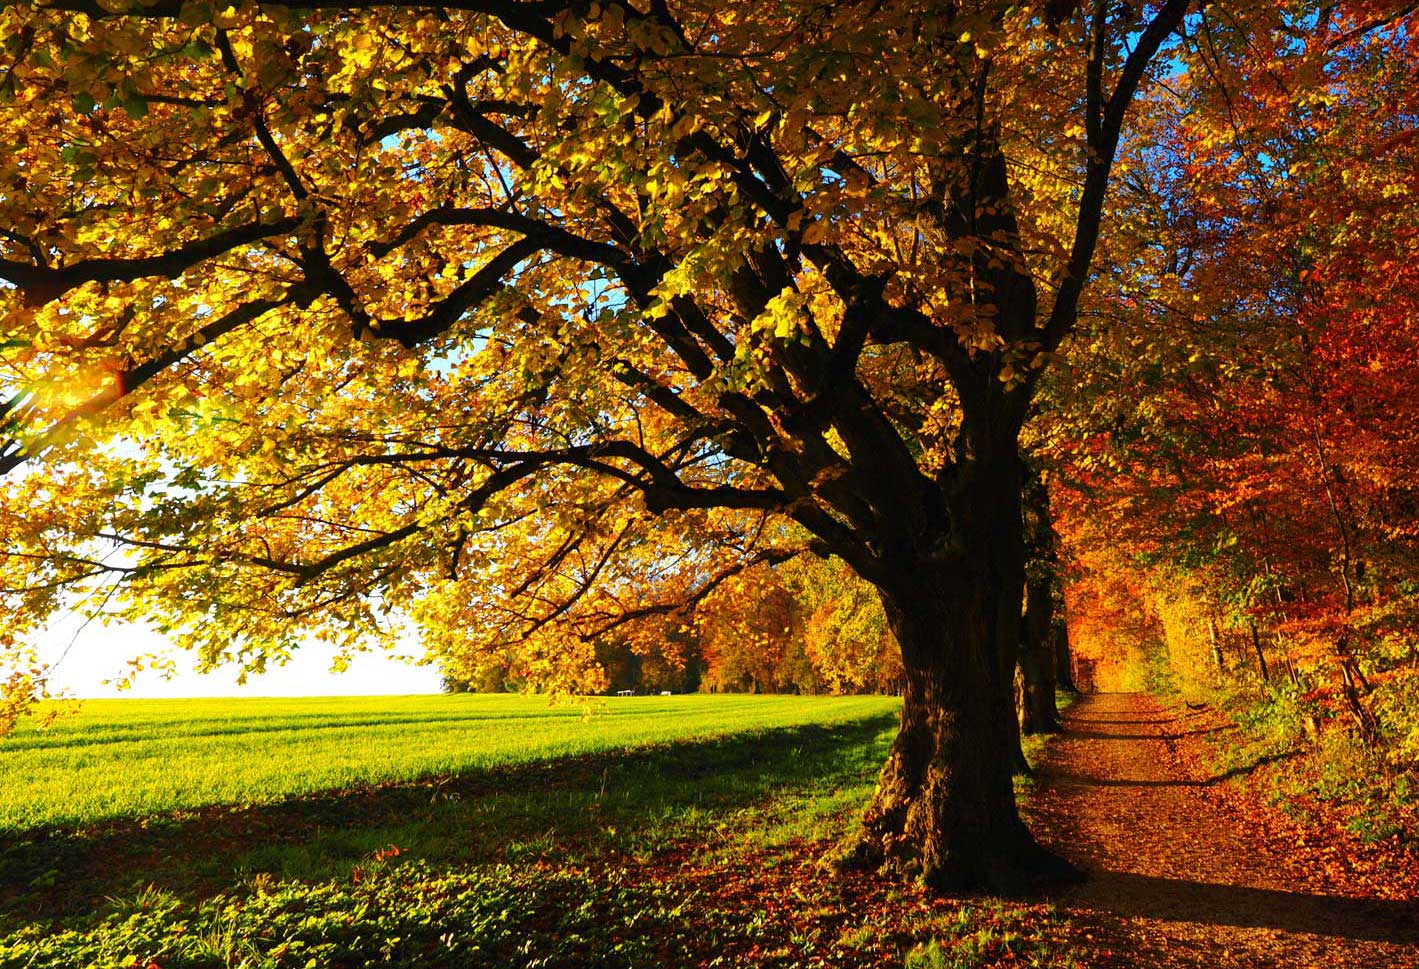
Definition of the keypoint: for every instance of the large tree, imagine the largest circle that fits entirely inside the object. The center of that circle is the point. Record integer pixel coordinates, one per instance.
(524, 319)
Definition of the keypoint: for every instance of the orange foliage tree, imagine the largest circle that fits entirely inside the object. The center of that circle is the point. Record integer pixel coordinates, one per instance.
(1254, 457)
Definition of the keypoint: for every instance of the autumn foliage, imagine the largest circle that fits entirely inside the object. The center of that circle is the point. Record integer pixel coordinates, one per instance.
(1240, 497)
(551, 333)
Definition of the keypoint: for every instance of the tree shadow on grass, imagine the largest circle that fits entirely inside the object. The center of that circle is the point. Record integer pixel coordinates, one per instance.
(619, 801)
(1170, 899)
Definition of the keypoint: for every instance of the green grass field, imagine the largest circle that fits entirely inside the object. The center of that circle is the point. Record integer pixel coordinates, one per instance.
(129, 758)
(428, 832)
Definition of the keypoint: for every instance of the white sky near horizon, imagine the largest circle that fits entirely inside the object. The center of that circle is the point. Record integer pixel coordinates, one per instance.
(100, 653)
(89, 654)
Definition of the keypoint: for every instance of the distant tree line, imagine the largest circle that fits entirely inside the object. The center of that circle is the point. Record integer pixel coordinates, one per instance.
(808, 626)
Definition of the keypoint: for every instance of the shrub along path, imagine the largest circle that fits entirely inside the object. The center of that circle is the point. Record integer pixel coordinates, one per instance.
(1176, 879)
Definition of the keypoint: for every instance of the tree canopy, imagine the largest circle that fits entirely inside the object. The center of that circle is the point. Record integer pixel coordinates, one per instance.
(523, 322)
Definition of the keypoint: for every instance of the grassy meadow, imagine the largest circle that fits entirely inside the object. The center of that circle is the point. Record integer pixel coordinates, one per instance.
(129, 758)
(469, 831)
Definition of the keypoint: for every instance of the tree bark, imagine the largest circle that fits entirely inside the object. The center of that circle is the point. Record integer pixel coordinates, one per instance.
(1005, 549)
(1063, 660)
(944, 809)
(1019, 764)
(1217, 659)
(1260, 656)
(1038, 713)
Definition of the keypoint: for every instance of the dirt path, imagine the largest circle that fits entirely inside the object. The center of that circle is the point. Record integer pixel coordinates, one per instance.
(1173, 881)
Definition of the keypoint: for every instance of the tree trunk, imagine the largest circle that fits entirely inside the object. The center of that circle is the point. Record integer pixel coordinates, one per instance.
(944, 809)
(1003, 548)
(1038, 713)
(1364, 719)
(1260, 656)
(1216, 641)
(1015, 730)
(1063, 660)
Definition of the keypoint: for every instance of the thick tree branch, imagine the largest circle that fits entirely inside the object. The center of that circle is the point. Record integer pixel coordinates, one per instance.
(42, 284)
(1103, 145)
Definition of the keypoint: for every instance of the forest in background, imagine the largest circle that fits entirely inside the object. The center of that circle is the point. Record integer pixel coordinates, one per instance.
(808, 626)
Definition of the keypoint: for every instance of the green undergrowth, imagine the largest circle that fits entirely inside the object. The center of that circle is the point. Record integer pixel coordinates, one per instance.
(1329, 772)
(1324, 774)
(695, 852)
(416, 916)
(981, 934)
(407, 915)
